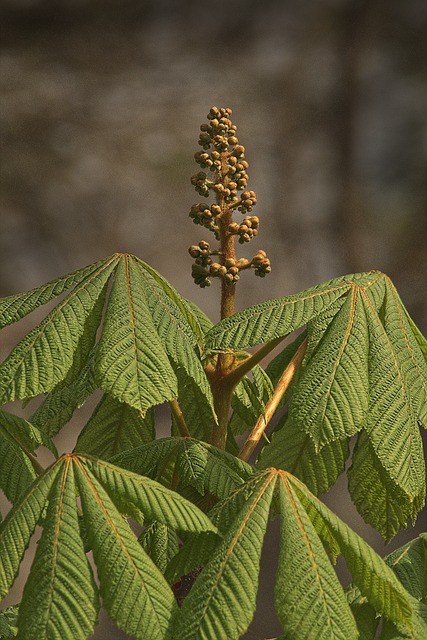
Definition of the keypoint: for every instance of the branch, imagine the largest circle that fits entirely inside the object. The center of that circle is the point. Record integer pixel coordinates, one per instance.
(179, 418)
(236, 374)
(271, 406)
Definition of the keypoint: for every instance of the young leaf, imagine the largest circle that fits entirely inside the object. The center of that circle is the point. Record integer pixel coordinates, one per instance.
(330, 401)
(176, 328)
(196, 407)
(18, 527)
(134, 592)
(221, 603)
(191, 465)
(292, 449)
(309, 598)
(155, 501)
(370, 484)
(249, 400)
(365, 616)
(115, 427)
(15, 307)
(369, 572)
(131, 364)
(43, 358)
(59, 405)
(392, 423)
(60, 599)
(8, 620)
(196, 552)
(275, 318)
(161, 544)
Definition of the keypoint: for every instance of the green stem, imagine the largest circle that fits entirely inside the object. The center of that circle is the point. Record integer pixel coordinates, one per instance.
(179, 419)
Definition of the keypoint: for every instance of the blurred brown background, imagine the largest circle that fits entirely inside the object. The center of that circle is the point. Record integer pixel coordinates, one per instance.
(100, 106)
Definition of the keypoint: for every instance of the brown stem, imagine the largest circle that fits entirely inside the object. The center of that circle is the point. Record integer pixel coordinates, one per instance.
(271, 406)
(223, 393)
(234, 376)
(179, 418)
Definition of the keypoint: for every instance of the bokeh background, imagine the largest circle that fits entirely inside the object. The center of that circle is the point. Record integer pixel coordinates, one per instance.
(100, 106)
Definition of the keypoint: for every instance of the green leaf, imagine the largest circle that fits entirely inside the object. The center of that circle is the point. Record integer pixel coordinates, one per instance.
(59, 405)
(196, 407)
(156, 501)
(196, 552)
(409, 563)
(177, 327)
(392, 422)
(276, 318)
(8, 620)
(419, 622)
(330, 401)
(149, 459)
(18, 527)
(134, 593)
(364, 369)
(43, 358)
(370, 574)
(18, 439)
(194, 316)
(249, 400)
(115, 427)
(15, 307)
(292, 449)
(309, 598)
(365, 616)
(222, 601)
(131, 364)
(161, 544)
(60, 599)
(191, 465)
(370, 484)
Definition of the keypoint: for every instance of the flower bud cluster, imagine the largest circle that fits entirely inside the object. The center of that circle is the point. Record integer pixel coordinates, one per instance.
(261, 264)
(224, 158)
(247, 230)
(202, 261)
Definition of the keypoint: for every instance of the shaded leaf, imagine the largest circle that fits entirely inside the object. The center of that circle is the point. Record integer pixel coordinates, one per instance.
(292, 449)
(370, 484)
(115, 427)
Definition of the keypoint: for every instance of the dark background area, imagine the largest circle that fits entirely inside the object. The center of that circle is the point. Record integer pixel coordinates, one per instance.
(100, 108)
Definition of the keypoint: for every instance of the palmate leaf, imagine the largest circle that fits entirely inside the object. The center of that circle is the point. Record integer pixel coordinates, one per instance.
(249, 400)
(131, 364)
(114, 427)
(147, 327)
(161, 543)
(60, 599)
(211, 470)
(364, 368)
(42, 359)
(15, 307)
(222, 601)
